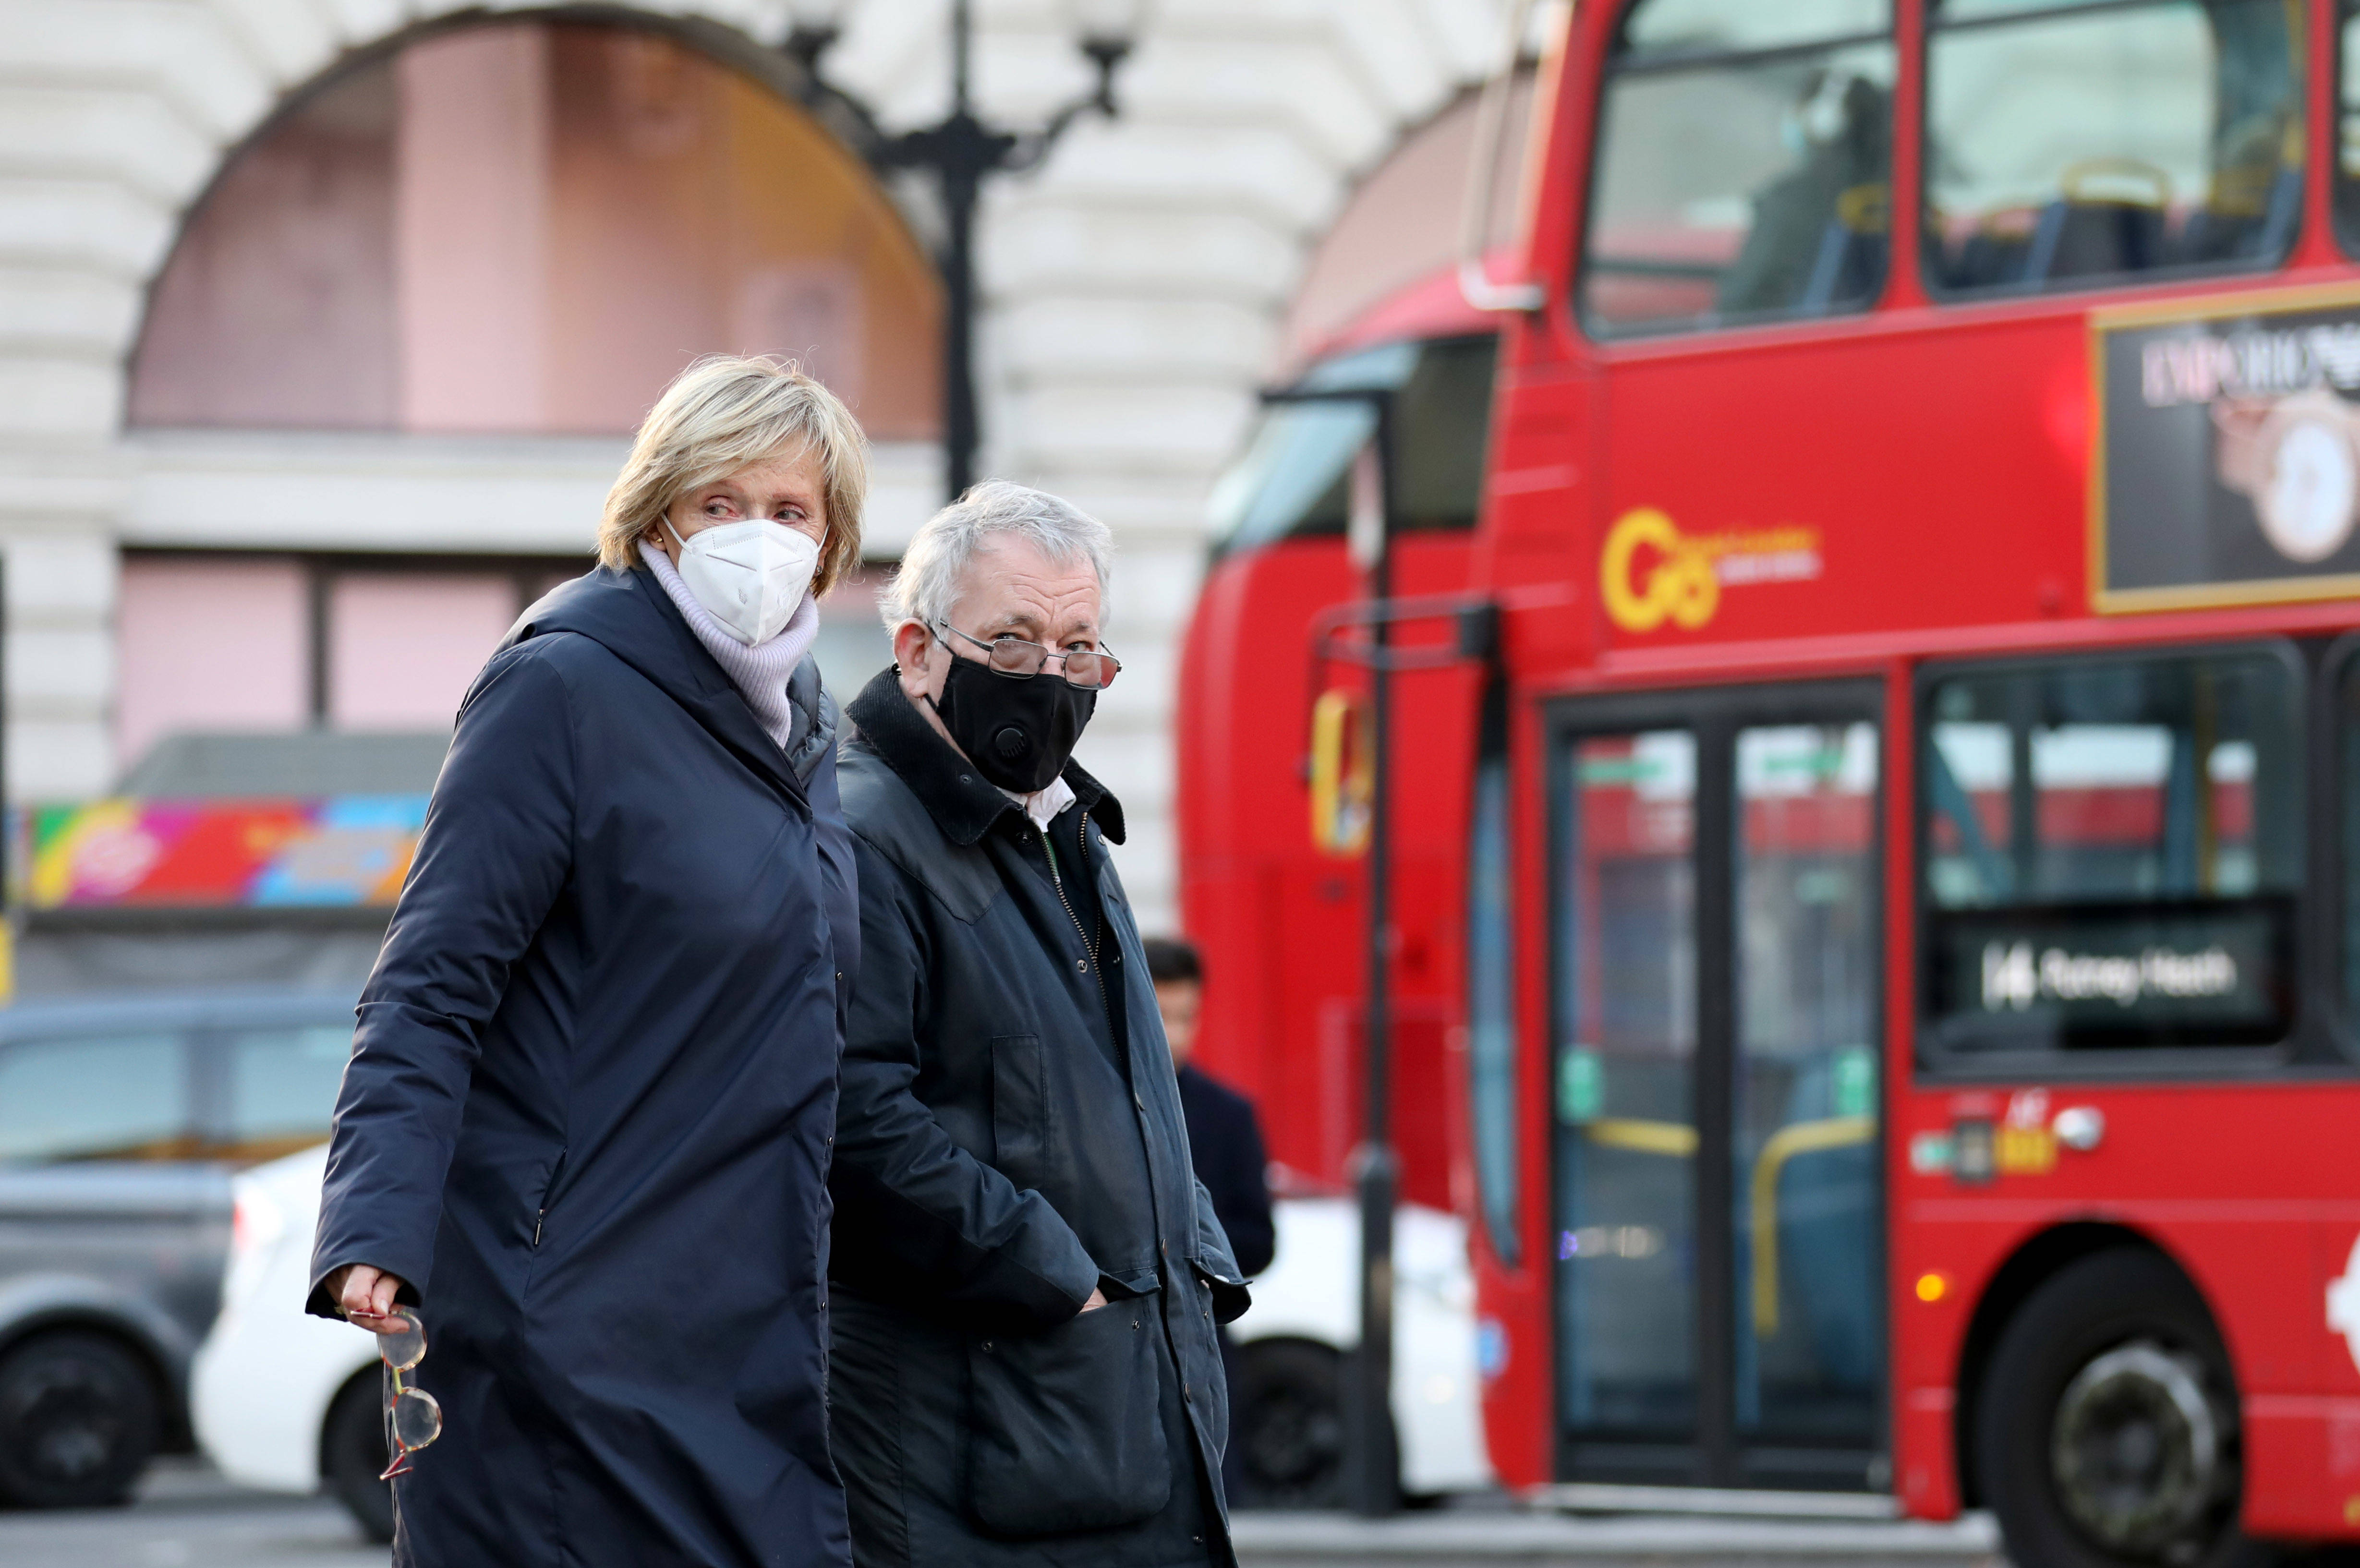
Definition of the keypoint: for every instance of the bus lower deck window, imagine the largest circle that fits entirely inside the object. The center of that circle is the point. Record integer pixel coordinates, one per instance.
(2112, 849)
(2070, 145)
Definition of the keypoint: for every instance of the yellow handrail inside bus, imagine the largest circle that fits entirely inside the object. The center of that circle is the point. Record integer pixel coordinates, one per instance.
(1800, 1138)
(1676, 1139)
(1343, 774)
(1679, 1140)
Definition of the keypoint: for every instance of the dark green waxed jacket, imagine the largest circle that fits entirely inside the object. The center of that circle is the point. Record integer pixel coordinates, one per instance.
(1008, 1139)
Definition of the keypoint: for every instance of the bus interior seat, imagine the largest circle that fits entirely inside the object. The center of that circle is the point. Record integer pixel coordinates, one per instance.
(2092, 238)
(1852, 248)
(1827, 1219)
(2228, 229)
(1992, 253)
(1818, 241)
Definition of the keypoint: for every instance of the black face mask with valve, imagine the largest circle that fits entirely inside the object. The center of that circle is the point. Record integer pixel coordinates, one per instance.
(1017, 729)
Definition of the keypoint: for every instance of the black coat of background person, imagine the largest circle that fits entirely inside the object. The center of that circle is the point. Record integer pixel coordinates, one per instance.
(1225, 1137)
(1010, 1137)
(589, 1102)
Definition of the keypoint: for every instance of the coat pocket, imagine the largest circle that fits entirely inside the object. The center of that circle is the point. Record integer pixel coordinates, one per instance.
(1023, 1135)
(1064, 1431)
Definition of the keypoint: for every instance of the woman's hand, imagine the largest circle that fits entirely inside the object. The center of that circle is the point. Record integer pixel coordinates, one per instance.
(365, 1295)
(1097, 1299)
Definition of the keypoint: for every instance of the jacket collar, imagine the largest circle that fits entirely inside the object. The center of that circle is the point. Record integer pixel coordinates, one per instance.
(628, 615)
(963, 803)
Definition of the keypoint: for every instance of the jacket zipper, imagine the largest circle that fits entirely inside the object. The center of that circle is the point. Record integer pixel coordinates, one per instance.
(1057, 879)
(540, 1214)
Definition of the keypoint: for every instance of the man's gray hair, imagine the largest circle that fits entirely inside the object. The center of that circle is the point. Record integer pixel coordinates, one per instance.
(926, 590)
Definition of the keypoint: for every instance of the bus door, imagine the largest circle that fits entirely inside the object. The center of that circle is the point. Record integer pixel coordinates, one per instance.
(1716, 1028)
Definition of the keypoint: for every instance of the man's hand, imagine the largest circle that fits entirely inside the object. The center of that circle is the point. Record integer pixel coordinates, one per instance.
(365, 1295)
(1097, 1299)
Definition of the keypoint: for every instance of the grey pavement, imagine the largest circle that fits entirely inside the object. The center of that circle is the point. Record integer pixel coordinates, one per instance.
(187, 1516)
(1455, 1538)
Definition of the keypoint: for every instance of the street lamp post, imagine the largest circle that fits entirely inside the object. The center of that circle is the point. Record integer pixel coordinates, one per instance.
(960, 152)
(1371, 1461)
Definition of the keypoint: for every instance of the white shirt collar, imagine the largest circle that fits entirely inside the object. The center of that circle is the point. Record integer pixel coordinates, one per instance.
(1041, 806)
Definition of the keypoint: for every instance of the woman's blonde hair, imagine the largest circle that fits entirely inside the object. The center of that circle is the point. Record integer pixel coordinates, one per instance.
(716, 417)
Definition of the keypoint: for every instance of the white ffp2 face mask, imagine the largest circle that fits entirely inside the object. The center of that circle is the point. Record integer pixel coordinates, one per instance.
(750, 576)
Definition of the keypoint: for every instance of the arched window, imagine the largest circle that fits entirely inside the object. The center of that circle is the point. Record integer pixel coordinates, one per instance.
(530, 227)
(520, 228)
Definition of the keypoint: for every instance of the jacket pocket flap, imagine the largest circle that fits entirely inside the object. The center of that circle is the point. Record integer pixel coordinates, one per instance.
(1217, 1276)
(1230, 1297)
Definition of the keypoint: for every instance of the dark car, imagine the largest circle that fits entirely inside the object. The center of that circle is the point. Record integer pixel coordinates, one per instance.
(121, 1120)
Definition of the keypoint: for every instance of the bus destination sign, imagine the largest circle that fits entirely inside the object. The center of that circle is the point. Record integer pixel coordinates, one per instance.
(2208, 971)
(2227, 464)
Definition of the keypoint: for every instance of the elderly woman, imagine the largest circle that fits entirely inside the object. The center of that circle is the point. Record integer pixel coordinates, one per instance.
(584, 1129)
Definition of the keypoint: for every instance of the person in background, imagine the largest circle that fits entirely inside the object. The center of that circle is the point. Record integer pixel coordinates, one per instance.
(1224, 1143)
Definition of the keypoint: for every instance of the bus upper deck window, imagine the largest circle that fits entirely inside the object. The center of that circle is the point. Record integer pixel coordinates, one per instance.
(2112, 850)
(1743, 162)
(2071, 145)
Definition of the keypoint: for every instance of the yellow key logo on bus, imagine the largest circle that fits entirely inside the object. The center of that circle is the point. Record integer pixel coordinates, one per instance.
(1650, 573)
(1680, 586)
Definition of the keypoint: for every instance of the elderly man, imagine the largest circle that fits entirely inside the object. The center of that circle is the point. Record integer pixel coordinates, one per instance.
(1027, 1274)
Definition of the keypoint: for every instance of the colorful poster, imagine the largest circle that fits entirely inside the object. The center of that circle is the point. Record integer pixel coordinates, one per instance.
(351, 850)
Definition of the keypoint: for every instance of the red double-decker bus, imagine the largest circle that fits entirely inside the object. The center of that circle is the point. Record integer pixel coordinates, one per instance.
(1885, 908)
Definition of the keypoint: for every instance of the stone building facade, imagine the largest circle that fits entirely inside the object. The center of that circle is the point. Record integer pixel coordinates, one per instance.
(1135, 289)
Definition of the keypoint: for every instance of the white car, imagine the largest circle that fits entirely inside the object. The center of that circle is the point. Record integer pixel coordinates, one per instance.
(287, 1402)
(282, 1400)
(1288, 1416)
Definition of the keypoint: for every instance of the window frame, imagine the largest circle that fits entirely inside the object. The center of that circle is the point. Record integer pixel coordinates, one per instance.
(215, 1042)
(1577, 292)
(2314, 1038)
(1942, 295)
(2347, 239)
(2330, 991)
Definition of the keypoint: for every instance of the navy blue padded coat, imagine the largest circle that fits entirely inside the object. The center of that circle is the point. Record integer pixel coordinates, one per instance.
(588, 1113)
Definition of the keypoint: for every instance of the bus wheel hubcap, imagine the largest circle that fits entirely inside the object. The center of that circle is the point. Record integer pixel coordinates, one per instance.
(2136, 1449)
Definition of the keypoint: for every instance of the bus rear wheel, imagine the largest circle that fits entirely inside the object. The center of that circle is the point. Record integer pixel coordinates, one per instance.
(2106, 1435)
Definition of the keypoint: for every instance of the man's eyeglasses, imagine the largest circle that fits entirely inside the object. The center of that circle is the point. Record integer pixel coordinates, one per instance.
(413, 1419)
(1093, 669)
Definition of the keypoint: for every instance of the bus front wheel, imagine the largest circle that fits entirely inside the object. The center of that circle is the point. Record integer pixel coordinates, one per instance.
(2107, 1432)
